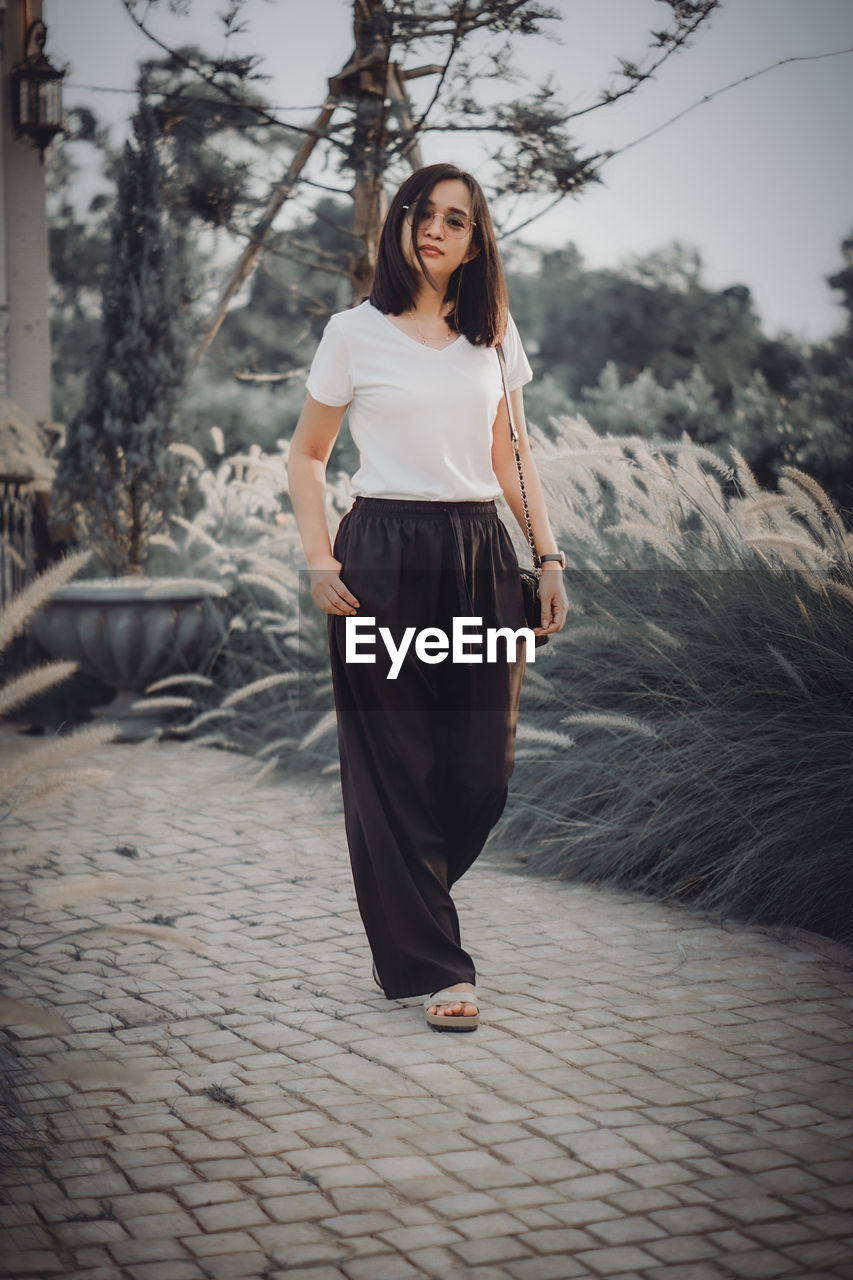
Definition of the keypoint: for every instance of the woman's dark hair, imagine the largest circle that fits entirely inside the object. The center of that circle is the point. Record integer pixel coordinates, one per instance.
(477, 288)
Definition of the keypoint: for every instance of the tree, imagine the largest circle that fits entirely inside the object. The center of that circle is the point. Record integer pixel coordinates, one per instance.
(371, 129)
(655, 313)
(117, 482)
(843, 281)
(78, 243)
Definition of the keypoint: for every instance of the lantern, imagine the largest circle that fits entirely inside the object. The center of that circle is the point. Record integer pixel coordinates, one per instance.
(37, 91)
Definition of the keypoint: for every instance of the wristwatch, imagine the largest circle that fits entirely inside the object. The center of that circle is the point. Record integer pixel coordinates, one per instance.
(559, 556)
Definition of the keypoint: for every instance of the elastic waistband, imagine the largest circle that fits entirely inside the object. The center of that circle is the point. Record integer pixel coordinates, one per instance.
(481, 510)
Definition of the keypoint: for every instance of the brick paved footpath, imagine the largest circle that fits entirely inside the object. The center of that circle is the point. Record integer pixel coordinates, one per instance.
(673, 1102)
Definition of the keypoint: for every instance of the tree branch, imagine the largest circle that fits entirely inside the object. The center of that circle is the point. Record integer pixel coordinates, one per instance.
(635, 75)
(250, 254)
(609, 155)
(753, 75)
(416, 126)
(208, 77)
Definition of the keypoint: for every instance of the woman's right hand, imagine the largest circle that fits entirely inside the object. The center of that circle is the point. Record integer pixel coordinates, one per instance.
(329, 591)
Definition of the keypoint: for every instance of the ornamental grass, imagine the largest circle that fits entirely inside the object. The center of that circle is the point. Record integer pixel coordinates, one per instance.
(689, 734)
(268, 690)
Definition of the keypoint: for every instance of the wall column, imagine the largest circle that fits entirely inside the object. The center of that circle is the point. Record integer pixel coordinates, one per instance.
(24, 273)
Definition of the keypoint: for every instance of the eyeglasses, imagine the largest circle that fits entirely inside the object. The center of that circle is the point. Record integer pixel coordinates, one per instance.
(454, 224)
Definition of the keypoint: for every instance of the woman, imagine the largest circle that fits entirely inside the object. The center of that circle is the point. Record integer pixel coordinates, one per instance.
(426, 743)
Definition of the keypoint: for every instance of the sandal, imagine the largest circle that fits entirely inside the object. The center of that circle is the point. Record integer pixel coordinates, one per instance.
(376, 977)
(451, 1022)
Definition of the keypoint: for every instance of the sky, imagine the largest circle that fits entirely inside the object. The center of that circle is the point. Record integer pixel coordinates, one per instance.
(758, 179)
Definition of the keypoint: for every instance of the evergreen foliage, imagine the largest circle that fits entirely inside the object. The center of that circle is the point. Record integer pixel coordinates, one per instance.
(117, 482)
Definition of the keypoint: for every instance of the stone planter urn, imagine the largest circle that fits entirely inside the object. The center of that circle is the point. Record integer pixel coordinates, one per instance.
(129, 632)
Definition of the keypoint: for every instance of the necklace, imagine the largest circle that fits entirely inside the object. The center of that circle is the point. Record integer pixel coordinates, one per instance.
(437, 338)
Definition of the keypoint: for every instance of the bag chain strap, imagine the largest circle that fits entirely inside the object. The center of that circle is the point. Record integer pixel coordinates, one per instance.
(514, 435)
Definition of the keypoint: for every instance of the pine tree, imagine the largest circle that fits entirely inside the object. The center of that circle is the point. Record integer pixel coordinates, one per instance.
(117, 481)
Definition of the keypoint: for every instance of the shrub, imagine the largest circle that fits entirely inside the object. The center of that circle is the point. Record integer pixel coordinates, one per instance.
(269, 691)
(116, 481)
(688, 734)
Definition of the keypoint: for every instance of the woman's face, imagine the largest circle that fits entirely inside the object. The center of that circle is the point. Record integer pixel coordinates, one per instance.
(446, 209)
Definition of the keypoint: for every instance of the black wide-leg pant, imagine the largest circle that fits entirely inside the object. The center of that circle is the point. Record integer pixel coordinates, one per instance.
(426, 757)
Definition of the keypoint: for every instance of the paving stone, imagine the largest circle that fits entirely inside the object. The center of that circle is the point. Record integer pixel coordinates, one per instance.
(762, 1263)
(594, 1186)
(407, 1239)
(694, 1218)
(175, 1271)
(434, 1261)
(219, 1242)
(397, 1169)
(678, 1249)
(299, 1207)
(657, 1116)
(666, 1174)
(490, 1177)
(581, 1212)
(688, 1271)
(156, 1177)
(233, 1214)
(563, 1240)
(611, 1261)
(223, 1170)
(491, 1225)
(465, 1205)
(197, 1193)
(626, 1230)
(359, 1224)
(546, 1268)
(534, 1219)
(503, 1249)
(752, 1209)
(36, 1262)
(732, 1241)
(104, 1185)
(73, 1234)
(494, 1272)
(363, 1199)
(236, 1266)
(780, 1234)
(161, 1225)
(99, 1273)
(130, 1252)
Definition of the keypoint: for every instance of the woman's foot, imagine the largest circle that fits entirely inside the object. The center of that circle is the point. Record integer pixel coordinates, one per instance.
(444, 1012)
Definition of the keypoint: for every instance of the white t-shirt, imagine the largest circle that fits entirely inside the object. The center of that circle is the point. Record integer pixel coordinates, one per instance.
(420, 417)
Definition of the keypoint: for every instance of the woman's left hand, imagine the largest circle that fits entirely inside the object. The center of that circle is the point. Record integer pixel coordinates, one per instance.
(554, 601)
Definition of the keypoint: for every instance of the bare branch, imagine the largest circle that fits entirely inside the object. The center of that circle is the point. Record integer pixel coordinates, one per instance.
(675, 41)
(250, 254)
(534, 217)
(208, 77)
(416, 126)
(753, 75)
(330, 222)
(325, 263)
(608, 155)
(432, 69)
